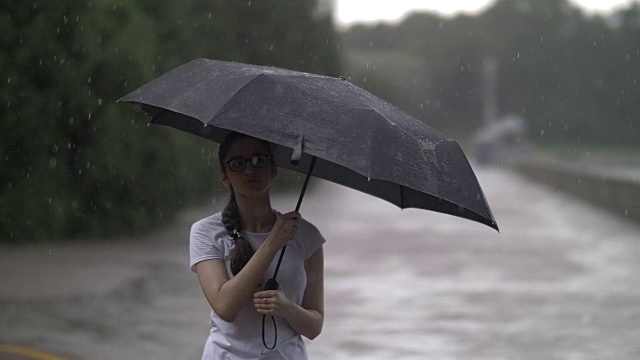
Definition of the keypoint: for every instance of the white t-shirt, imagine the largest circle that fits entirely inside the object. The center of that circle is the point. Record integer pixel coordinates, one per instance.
(242, 338)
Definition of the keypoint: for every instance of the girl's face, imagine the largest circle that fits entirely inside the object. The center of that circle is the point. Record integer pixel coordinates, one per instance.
(245, 168)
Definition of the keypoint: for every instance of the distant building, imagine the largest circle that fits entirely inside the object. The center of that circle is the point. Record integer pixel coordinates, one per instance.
(500, 140)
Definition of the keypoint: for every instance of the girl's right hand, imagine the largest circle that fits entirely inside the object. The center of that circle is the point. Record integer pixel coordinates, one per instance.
(284, 229)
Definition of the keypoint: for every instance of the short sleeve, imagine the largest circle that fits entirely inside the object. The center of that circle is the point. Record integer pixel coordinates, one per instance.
(313, 239)
(207, 241)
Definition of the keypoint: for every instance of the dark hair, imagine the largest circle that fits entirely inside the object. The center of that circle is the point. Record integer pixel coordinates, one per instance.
(242, 251)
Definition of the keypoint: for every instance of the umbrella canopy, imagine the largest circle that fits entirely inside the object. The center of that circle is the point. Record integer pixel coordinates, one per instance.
(360, 141)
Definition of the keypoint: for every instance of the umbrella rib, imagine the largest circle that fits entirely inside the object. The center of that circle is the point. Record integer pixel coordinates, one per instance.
(227, 103)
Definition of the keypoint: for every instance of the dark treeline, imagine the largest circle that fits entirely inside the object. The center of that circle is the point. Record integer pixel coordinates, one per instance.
(77, 164)
(574, 78)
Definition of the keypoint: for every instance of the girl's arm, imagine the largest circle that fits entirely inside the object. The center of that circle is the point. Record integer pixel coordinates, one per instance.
(306, 319)
(226, 296)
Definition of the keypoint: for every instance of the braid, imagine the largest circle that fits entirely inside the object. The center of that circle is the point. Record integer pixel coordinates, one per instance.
(242, 251)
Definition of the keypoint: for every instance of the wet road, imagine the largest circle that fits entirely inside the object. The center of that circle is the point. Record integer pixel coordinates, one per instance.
(561, 281)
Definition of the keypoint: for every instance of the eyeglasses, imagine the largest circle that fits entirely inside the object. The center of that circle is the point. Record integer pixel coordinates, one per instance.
(257, 161)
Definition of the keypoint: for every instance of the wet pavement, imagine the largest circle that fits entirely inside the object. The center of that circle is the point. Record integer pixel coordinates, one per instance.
(561, 281)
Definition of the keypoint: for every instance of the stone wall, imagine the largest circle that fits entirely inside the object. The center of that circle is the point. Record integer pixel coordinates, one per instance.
(618, 194)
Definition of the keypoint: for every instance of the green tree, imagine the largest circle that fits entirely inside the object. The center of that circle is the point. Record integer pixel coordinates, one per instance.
(75, 163)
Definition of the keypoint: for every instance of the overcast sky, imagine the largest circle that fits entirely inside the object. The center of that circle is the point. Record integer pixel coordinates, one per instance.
(350, 11)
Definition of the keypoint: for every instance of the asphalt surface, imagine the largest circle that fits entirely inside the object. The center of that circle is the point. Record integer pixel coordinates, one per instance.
(561, 281)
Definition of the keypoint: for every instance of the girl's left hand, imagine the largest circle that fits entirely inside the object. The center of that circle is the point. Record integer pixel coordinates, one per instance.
(271, 302)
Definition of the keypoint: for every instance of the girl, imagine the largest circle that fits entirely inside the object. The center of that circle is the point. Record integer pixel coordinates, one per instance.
(235, 251)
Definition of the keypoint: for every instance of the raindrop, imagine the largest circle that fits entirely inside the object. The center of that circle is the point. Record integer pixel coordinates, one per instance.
(89, 80)
(249, 3)
(9, 80)
(626, 212)
(542, 132)
(89, 118)
(579, 180)
(100, 102)
(209, 15)
(271, 47)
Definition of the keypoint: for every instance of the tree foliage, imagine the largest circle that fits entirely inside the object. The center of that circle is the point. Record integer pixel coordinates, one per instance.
(74, 162)
(573, 77)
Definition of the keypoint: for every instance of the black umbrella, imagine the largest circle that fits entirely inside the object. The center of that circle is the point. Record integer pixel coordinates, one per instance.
(358, 139)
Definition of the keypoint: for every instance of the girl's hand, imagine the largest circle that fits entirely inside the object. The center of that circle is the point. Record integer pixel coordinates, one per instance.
(284, 229)
(272, 302)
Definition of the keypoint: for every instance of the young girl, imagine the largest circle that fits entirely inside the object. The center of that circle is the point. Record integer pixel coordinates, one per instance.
(235, 252)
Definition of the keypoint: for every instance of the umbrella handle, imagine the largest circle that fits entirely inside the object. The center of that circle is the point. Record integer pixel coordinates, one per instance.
(272, 284)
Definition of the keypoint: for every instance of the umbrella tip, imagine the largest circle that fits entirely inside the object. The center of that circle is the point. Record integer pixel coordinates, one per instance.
(343, 78)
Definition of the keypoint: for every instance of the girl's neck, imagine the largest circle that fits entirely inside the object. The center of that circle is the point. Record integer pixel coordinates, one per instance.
(256, 213)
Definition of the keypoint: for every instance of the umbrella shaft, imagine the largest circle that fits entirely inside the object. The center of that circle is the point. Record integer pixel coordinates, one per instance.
(306, 182)
(304, 188)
